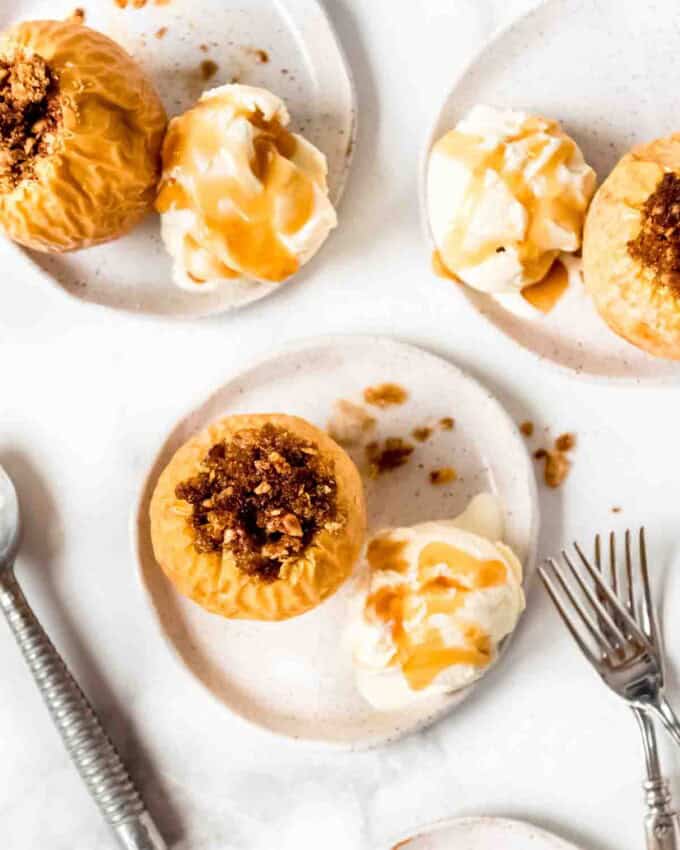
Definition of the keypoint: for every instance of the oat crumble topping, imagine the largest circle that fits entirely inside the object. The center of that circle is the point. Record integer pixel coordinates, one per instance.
(29, 116)
(657, 245)
(262, 496)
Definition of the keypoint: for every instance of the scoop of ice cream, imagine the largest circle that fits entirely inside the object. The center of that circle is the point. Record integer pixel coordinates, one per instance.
(240, 196)
(506, 193)
(440, 598)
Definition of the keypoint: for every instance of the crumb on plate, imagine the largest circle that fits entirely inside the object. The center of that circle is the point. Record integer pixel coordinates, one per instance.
(209, 69)
(349, 423)
(422, 434)
(444, 475)
(394, 453)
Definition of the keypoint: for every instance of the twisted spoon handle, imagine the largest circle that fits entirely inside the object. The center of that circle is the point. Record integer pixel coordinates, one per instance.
(90, 748)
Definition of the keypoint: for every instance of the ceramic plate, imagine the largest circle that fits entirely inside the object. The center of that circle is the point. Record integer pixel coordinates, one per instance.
(294, 678)
(483, 834)
(608, 72)
(305, 66)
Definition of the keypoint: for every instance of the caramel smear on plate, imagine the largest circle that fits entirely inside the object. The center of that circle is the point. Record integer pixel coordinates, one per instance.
(545, 294)
(385, 395)
(160, 33)
(420, 649)
(527, 428)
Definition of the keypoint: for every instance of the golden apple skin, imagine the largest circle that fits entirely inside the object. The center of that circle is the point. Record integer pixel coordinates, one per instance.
(99, 180)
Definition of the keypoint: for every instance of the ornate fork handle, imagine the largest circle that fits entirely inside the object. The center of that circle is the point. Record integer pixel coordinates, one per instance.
(662, 827)
(90, 748)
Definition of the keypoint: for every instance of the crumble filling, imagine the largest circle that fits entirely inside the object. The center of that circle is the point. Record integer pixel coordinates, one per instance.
(657, 245)
(30, 113)
(262, 495)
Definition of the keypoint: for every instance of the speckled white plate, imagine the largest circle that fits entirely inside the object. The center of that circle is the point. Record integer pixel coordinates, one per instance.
(305, 66)
(294, 678)
(482, 833)
(608, 71)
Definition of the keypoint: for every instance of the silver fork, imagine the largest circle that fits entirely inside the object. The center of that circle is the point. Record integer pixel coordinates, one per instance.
(618, 633)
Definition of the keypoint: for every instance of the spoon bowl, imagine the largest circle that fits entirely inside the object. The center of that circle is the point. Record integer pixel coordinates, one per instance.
(10, 522)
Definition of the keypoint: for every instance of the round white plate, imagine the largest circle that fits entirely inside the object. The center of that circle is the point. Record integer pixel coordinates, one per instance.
(295, 678)
(482, 834)
(608, 71)
(305, 66)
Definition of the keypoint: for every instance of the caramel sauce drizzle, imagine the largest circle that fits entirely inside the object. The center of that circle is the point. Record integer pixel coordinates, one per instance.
(440, 269)
(553, 204)
(240, 221)
(545, 294)
(421, 652)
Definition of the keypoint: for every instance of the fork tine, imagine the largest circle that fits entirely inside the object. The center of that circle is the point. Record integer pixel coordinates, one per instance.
(634, 630)
(610, 630)
(612, 563)
(650, 615)
(629, 576)
(598, 635)
(561, 610)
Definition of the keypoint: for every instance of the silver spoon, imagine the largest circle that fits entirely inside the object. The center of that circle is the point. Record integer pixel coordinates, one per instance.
(90, 748)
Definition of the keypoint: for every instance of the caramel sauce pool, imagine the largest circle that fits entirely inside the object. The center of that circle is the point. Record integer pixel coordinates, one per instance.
(545, 294)
(423, 655)
(240, 222)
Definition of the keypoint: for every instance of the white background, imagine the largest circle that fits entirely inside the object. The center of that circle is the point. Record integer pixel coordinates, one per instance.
(86, 396)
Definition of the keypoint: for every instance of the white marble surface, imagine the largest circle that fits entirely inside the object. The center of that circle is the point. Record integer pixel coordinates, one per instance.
(85, 397)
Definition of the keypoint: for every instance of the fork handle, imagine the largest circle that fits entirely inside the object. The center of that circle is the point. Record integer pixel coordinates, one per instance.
(662, 828)
(90, 748)
(661, 822)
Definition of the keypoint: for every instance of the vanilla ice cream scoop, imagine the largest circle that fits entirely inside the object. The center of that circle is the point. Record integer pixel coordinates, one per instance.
(507, 192)
(440, 598)
(240, 196)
